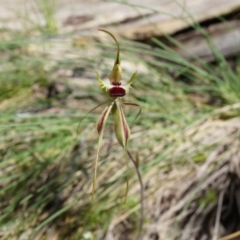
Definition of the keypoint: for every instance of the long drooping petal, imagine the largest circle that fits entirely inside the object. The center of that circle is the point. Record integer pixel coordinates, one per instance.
(90, 112)
(135, 105)
(100, 129)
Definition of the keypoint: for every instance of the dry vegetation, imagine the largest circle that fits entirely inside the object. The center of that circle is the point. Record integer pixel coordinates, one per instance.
(187, 138)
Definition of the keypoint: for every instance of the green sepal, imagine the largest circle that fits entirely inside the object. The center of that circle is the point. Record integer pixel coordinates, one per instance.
(122, 132)
(132, 79)
(101, 122)
(102, 84)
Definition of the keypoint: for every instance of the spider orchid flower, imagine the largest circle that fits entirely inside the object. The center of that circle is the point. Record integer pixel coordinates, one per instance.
(114, 91)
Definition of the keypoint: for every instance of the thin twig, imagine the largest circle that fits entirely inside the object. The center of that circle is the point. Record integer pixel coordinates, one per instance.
(231, 236)
(141, 193)
(217, 222)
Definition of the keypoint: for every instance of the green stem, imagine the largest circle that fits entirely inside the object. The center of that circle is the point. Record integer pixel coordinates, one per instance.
(139, 236)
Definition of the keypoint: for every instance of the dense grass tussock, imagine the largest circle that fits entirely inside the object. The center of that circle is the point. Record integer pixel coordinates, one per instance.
(195, 201)
(187, 139)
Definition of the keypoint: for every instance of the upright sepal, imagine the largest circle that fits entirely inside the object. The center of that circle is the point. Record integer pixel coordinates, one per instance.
(115, 76)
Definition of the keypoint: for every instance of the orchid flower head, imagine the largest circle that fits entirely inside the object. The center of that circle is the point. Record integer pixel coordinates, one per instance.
(114, 90)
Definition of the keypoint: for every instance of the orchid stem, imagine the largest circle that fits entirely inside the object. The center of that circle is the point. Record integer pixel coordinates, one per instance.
(141, 194)
(127, 178)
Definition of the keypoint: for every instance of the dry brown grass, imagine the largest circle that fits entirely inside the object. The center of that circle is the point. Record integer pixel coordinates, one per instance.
(197, 202)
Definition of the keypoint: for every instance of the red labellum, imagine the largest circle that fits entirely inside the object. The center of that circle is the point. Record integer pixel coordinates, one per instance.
(117, 91)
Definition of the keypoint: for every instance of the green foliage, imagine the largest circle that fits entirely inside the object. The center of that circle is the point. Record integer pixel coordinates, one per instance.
(209, 197)
(48, 9)
(46, 169)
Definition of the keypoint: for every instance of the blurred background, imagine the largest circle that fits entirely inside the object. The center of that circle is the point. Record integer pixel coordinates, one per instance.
(187, 57)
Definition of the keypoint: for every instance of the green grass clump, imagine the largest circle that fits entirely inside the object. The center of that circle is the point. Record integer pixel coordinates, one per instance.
(46, 168)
